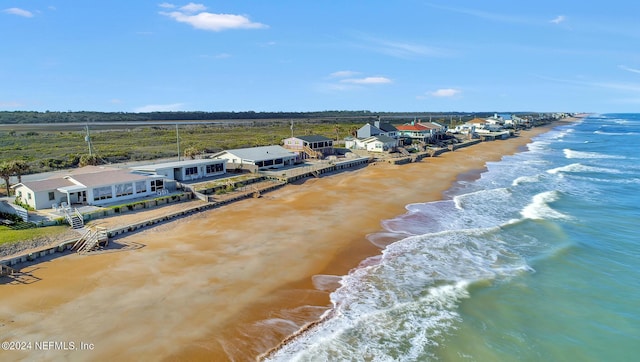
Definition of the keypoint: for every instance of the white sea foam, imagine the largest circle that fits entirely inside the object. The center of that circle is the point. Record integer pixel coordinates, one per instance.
(539, 208)
(405, 304)
(526, 179)
(616, 133)
(578, 167)
(569, 153)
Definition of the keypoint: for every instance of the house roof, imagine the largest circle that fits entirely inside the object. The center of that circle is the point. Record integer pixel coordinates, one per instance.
(45, 185)
(477, 121)
(386, 127)
(314, 138)
(257, 154)
(108, 177)
(431, 125)
(412, 127)
(379, 138)
(177, 164)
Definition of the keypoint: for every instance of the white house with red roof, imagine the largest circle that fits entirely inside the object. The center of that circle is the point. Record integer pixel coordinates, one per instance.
(423, 132)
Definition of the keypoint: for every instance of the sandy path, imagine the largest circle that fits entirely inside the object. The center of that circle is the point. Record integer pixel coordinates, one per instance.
(231, 281)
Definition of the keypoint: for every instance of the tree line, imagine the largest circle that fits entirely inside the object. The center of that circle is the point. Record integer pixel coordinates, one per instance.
(25, 117)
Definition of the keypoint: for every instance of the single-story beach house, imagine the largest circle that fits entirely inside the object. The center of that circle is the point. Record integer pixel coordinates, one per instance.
(91, 185)
(186, 170)
(378, 143)
(313, 146)
(264, 157)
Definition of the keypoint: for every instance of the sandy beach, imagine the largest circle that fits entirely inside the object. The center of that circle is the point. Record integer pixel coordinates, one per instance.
(229, 283)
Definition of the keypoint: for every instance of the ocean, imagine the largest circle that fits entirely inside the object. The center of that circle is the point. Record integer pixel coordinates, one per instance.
(537, 259)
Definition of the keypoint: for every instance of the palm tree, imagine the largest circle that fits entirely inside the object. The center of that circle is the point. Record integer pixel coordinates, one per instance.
(6, 170)
(20, 168)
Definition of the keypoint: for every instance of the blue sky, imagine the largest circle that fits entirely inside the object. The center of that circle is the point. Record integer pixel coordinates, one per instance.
(404, 55)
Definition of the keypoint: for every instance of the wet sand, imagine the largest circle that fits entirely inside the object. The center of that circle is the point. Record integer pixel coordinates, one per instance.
(228, 283)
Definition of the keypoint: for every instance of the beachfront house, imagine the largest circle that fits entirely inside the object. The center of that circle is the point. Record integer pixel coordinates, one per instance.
(422, 132)
(186, 170)
(464, 129)
(377, 128)
(313, 146)
(91, 185)
(263, 158)
(484, 125)
(378, 143)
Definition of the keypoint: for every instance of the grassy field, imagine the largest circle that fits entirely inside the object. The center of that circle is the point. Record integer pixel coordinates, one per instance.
(47, 149)
(8, 236)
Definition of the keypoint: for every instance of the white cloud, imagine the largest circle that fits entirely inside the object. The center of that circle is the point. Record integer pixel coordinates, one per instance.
(443, 92)
(166, 6)
(343, 74)
(632, 70)
(367, 80)
(194, 15)
(19, 12)
(193, 8)
(558, 19)
(159, 108)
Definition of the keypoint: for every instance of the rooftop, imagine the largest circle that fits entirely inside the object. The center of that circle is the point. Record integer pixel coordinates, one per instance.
(314, 138)
(259, 153)
(184, 163)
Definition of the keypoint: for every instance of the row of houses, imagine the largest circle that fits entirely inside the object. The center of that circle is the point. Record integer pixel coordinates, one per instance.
(103, 185)
(94, 185)
(380, 136)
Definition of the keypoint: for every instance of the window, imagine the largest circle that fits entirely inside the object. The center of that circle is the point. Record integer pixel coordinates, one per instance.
(20, 194)
(141, 186)
(29, 195)
(156, 185)
(102, 193)
(52, 196)
(191, 171)
(124, 189)
(278, 161)
(218, 167)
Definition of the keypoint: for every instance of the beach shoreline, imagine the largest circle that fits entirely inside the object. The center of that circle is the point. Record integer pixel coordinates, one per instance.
(234, 281)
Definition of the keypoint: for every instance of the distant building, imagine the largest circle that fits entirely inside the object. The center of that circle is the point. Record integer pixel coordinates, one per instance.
(186, 170)
(91, 185)
(265, 157)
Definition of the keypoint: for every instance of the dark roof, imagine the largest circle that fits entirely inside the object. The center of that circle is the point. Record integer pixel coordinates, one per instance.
(387, 127)
(384, 126)
(314, 138)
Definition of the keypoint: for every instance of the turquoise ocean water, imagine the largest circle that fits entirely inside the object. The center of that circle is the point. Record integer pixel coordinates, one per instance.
(537, 260)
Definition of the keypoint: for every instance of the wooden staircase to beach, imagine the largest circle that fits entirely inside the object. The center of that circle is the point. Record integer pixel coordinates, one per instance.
(91, 240)
(6, 270)
(74, 218)
(311, 153)
(404, 151)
